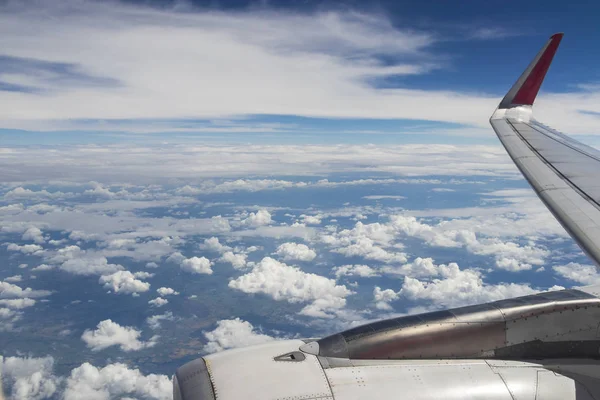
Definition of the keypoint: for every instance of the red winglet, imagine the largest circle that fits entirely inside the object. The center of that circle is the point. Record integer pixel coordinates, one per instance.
(526, 88)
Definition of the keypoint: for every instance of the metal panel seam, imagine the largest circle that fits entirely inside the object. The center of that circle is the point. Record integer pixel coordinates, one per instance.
(552, 168)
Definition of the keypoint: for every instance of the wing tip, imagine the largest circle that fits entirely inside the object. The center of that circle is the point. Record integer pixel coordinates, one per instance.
(525, 90)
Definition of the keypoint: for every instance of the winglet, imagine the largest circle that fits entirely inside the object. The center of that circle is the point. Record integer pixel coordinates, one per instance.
(527, 86)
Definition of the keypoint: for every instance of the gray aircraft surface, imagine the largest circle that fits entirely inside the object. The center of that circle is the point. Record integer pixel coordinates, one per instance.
(539, 347)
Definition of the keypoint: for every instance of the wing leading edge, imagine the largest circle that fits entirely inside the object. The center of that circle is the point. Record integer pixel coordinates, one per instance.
(562, 171)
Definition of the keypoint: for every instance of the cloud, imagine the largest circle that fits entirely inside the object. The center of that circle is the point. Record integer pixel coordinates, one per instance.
(155, 321)
(338, 51)
(294, 251)
(165, 291)
(121, 164)
(25, 249)
(311, 219)
(109, 333)
(213, 244)
(367, 241)
(384, 297)
(123, 282)
(34, 234)
(383, 197)
(158, 302)
(11, 291)
(31, 378)
(364, 271)
(419, 267)
(14, 278)
(284, 282)
(458, 287)
(77, 261)
(232, 333)
(259, 218)
(238, 261)
(197, 265)
(580, 273)
(17, 304)
(115, 381)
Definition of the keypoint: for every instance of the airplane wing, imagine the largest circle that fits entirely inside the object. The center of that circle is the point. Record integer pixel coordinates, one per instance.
(562, 171)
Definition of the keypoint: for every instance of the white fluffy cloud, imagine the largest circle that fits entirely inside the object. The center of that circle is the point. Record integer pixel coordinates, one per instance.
(166, 291)
(581, 273)
(367, 241)
(364, 271)
(197, 265)
(259, 218)
(232, 333)
(458, 287)
(77, 261)
(213, 244)
(26, 248)
(383, 298)
(419, 267)
(14, 278)
(123, 282)
(11, 291)
(34, 234)
(295, 251)
(30, 378)
(109, 333)
(115, 381)
(158, 302)
(284, 282)
(238, 261)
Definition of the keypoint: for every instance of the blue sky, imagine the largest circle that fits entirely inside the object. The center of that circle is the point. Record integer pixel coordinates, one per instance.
(181, 178)
(284, 72)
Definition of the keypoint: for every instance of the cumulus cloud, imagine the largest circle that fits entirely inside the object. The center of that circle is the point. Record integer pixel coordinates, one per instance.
(419, 267)
(457, 287)
(238, 261)
(14, 278)
(364, 271)
(115, 381)
(367, 241)
(11, 291)
(166, 291)
(109, 333)
(311, 219)
(26, 248)
(259, 218)
(197, 265)
(34, 234)
(77, 261)
(158, 302)
(30, 378)
(581, 273)
(123, 282)
(213, 244)
(232, 333)
(17, 304)
(284, 282)
(383, 298)
(295, 251)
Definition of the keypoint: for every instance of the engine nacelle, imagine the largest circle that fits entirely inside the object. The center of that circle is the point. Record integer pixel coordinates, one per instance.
(540, 347)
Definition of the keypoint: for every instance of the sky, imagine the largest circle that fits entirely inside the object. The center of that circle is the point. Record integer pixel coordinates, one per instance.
(301, 72)
(180, 178)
